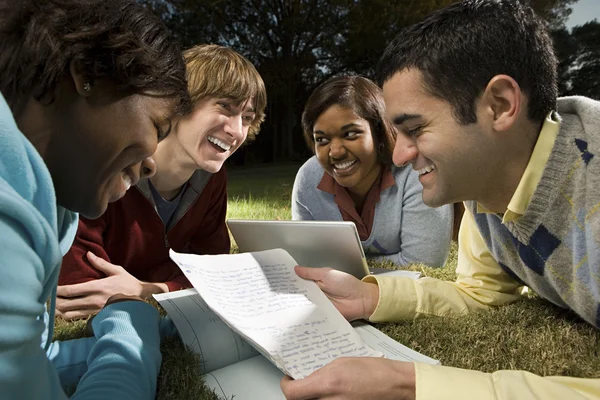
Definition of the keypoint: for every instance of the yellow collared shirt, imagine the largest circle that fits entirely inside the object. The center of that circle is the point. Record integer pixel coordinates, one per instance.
(481, 283)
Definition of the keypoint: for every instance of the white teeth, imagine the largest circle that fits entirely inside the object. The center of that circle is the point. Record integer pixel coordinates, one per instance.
(427, 169)
(127, 180)
(219, 143)
(344, 165)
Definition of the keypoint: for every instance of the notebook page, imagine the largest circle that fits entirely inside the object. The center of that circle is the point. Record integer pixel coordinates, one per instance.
(287, 318)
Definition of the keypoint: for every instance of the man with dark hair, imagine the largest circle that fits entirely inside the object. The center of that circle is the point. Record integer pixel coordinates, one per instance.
(472, 90)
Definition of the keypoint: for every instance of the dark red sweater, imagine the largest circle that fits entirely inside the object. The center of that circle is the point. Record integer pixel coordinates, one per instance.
(132, 235)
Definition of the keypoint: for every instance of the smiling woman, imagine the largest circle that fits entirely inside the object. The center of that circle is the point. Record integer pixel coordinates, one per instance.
(85, 84)
(351, 177)
(183, 206)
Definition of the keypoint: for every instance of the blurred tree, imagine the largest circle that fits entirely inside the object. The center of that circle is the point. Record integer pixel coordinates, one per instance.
(585, 70)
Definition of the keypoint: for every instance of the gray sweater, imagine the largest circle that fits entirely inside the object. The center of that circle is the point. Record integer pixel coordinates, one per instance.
(405, 230)
(554, 248)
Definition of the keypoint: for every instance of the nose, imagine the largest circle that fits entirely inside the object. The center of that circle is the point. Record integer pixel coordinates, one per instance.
(148, 167)
(234, 127)
(405, 150)
(337, 150)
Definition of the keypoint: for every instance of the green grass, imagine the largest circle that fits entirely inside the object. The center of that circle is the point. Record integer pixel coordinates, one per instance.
(261, 192)
(530, 334)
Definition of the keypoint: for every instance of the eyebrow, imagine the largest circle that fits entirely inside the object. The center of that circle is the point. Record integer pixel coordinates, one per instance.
(402, 118)
(347, 126)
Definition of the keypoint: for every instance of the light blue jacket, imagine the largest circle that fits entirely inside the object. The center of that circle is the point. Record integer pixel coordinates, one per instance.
(122, 360)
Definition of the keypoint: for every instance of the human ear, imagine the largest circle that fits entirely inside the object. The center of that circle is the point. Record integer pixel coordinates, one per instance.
(82, 85)
(502, 99)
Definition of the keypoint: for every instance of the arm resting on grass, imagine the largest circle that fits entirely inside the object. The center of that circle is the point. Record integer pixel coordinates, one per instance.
(77, 268)
(126, 353)
(481, 283)
(447, 383)
(125, 361)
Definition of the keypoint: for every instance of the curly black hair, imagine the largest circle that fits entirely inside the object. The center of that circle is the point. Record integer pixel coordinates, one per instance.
(118, 40)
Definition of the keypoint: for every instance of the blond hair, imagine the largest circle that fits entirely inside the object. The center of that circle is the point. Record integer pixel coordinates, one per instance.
(219, 71)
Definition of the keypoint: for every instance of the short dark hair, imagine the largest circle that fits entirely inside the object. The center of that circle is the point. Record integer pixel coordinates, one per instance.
(117, 40)
(460, 48)
(360, 95)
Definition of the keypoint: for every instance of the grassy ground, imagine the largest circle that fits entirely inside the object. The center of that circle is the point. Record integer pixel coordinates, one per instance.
(530, 334)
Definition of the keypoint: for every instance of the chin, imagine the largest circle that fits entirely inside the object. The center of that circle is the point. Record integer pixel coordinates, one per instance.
(94, 211)
(433, 202)
(82, 205)
(213, 168)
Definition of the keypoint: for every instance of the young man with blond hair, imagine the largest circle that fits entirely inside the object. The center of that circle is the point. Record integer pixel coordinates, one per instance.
(183, 206)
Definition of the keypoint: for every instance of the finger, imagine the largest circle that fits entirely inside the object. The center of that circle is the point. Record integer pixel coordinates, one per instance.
(102, 265)
(77, 289)
(73, 315)
(80, 303)
(310, 273)
(116, 298)
(301, 389)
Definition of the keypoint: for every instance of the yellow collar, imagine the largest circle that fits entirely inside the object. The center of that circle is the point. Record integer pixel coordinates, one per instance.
(533, 172)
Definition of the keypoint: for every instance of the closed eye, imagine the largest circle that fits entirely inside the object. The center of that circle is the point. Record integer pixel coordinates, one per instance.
(248, 119)
(161, 134)
(414, 131)
(223, 104)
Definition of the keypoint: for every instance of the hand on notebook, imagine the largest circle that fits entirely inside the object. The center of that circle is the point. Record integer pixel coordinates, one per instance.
(83, 299)
(355, 378)
(353, 298)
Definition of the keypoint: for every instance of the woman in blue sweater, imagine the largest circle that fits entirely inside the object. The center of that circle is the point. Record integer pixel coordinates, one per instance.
(88, 88)
(351, 177)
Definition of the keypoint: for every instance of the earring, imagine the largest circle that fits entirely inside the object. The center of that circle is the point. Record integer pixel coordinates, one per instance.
(87, 87)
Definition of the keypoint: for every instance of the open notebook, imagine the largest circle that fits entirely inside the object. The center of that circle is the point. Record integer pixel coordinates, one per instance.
(252, 319)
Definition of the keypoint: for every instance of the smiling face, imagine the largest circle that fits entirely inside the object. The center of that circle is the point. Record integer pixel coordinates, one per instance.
(453, 160)
(214, 131)
(103, 146)
(346, 149)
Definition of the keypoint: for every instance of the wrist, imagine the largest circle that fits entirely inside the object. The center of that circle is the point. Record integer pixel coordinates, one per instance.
(150, 288)
(371, 299)
(405, 385)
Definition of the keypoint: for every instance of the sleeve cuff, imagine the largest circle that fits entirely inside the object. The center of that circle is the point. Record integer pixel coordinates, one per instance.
(397, 298)
(128, 317)
(435, 382)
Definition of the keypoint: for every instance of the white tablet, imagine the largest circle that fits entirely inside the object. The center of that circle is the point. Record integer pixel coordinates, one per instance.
(311, 243)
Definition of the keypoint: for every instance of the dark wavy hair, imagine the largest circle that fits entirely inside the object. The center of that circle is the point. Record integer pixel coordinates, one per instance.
(460, 48)
(360, 95)
(117, 40)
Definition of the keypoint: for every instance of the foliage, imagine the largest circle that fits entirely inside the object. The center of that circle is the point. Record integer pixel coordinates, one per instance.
(585, 73)
(297, 44)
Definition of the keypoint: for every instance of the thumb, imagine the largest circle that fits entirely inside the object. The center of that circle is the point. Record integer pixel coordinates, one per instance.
(102, 265)
(311, 273)
(302, 389)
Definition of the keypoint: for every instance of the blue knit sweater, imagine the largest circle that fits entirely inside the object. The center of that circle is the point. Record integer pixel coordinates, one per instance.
(123, 358)
(404, 229)
(554, 248)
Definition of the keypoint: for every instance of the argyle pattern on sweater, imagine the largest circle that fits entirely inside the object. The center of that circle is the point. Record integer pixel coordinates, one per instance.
(554, 248)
